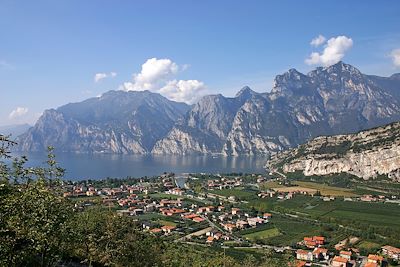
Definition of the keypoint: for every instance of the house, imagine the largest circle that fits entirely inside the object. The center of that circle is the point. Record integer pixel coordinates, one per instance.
(221, 208)
(267, 216)
(320, 253)
(198, 219)
(345, 254)
(201, 209)
(155, 230)
(189, 216)
(375, 260)
(339, 262)
(304, 255)
(229, 227)
(242, 224)
(315, 241)
(255, 221)
(209, 209)
(168, 228)
(235, 211)
(176, 191)
(210, 239)
(391, 252)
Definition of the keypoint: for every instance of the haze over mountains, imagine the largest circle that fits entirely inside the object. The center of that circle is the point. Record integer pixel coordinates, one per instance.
(333, 100)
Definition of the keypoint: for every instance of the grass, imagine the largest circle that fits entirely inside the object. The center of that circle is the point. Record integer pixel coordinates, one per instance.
(292, 230)
(263, 234)
(240, 194)
(271, 184)
(166, 223)
(327, 190)
(368, 246)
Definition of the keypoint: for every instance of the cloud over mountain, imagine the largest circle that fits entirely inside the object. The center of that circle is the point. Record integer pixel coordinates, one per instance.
(334, 50)
(158, 75)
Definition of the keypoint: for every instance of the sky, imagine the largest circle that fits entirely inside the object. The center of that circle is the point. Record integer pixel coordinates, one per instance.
(57, 52)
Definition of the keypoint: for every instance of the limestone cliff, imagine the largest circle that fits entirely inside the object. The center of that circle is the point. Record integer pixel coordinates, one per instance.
(366, 154)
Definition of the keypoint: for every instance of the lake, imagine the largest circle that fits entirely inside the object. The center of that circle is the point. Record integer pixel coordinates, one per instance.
(98, 166)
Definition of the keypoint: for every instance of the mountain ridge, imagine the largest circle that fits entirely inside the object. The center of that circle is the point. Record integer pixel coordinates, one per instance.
(328, 100)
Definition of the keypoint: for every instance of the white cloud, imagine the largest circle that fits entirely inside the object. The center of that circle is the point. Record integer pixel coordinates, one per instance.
(17, 113)
(334, 51)
(158, 75)
(317, 41)
(100, 76)
(395, 55)
(188, 91)
(154, 73)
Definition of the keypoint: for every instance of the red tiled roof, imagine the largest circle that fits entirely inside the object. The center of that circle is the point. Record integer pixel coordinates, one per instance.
(340, 259)
(375, 257)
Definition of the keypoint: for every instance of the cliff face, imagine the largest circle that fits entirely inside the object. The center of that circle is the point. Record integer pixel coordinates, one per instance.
(116, 122)
(365, 154)
(334, 100)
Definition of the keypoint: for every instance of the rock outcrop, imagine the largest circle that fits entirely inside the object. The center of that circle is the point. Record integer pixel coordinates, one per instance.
(366, 154)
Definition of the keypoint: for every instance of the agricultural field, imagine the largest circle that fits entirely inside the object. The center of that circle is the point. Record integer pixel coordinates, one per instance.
(291, 230)
(327, 190)
(241, 194)
(263, 234)
(270, 184)
(379, 214)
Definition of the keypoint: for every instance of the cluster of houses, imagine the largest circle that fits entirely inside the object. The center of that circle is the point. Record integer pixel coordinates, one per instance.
(315, 252)
(238, 220)
(224, 183)
(287, 192)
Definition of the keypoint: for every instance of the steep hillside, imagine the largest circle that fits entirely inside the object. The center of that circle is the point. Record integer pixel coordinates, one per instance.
(116, 122)
(366, 154)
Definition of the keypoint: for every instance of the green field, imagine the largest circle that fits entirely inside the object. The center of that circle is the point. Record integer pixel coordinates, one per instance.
(238, 193)
(263, 234)
(291, 230)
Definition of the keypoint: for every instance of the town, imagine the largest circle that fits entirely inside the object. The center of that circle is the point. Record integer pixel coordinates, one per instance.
(311, 221)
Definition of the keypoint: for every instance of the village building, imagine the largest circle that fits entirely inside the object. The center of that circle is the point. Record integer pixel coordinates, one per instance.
(304, 255)
(320, 253)
(339, 262)
(374, 260)
(391, 252)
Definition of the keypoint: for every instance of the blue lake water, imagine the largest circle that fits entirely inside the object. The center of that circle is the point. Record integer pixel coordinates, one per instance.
(98, 166)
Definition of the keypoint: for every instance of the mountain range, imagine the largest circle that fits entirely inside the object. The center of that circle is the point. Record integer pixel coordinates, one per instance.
(330, 100)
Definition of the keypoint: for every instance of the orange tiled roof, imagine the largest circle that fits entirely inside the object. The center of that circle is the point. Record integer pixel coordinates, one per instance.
(348, 253)
(301, 251)
(371, 264)
(375, 257)
(340, 259)
(319, 238)
(168, 227)
(198, 219)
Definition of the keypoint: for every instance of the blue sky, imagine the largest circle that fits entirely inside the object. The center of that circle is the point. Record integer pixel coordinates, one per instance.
(50, 51)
